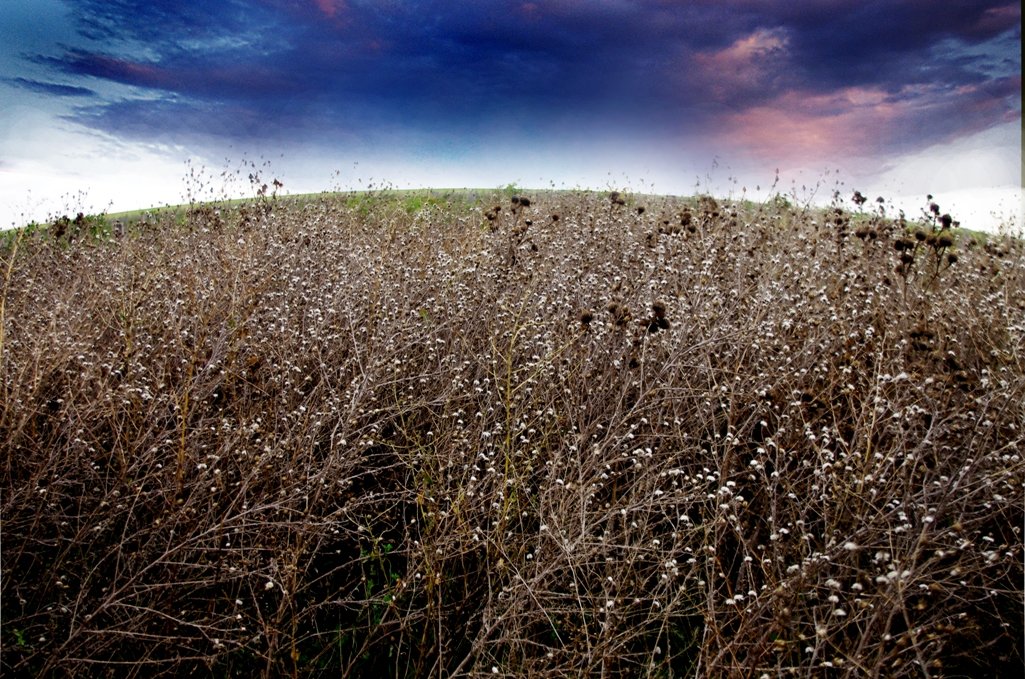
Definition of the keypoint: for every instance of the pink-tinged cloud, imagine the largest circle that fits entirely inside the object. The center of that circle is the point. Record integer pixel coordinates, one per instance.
(752, 62)
(746, 50)
(798, 128)
(205, 80)
(997, 19)
(121, 70)
(331, 8)
(529, 9)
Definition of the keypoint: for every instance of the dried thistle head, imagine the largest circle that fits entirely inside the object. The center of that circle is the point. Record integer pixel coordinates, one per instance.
(656, 325)
(620, 314)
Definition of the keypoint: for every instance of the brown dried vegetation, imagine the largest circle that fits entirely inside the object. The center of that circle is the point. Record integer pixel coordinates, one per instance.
(700, 439)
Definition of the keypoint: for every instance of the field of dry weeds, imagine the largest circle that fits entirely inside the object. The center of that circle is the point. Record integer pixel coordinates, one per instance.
(565, 435)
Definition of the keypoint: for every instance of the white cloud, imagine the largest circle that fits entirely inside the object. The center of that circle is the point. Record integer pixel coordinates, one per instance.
(51, 168)
(976, 179)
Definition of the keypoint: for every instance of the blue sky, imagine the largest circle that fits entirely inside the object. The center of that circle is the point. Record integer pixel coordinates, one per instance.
(102, 102)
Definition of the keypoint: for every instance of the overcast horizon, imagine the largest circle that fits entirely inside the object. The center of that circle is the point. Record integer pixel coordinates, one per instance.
(110, 104)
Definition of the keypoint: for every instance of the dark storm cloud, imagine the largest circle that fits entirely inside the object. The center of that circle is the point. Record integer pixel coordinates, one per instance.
(183, 74)
(891, 43)
(911, 70)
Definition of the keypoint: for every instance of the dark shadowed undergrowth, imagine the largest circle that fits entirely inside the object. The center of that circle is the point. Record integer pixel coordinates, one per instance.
(556, 436)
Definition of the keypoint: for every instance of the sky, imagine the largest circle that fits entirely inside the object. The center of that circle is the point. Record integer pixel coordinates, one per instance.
(123, 104)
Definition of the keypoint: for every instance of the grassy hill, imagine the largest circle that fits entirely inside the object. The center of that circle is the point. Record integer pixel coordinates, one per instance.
(559, 434)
